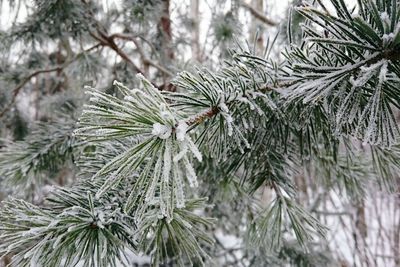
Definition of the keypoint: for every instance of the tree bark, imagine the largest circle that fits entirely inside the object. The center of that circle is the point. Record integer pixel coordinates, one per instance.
(167, 51)
(256, 34)
(164, 27)
(195, 18)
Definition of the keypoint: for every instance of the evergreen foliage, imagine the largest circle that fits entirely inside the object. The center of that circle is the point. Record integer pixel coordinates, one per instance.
(158, 169)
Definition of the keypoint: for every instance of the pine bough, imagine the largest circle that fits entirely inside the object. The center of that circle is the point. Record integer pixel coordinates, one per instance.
(139, 186)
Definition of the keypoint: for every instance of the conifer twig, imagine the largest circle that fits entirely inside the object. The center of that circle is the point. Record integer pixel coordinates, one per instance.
(258, 14)
(17, 89)
(109, 42)
(139, 48)
(199, 118)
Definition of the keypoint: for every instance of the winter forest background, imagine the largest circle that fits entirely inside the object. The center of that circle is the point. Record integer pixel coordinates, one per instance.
(257, 133)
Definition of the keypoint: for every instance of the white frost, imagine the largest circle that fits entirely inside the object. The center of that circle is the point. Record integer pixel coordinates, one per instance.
(162, 131)
(193, 148)
(181, 130)
(223, 107)
(383, 72)
(184, 149)
(167, 161)
(190, 173)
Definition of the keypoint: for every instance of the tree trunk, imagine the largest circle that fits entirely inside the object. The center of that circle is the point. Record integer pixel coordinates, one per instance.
(164, 27)
(165, 35)
(195, 19)
(256, 27)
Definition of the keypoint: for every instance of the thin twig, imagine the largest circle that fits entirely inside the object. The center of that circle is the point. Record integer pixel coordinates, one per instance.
(109, 42)
(139, 48)
(17, 89)
(199, 118)
(258, 14)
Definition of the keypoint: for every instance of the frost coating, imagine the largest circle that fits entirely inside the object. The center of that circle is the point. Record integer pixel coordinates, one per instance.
(178, 187)
(385, 17)
(229, 121)
(190, 173)
(193, 148)
(167, 161)
(181, 131)
(366, 73)
(225, 113)
(383, 72)
(223, 107)
(182, 153)
(161, 131)
(117, 83)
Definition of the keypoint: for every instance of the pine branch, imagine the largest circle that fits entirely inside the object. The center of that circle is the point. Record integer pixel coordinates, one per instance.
(254, 123)
(352, 65)
(185, 235)
(266, 231)
(139, 114)
(46, 149)
(73, 228)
